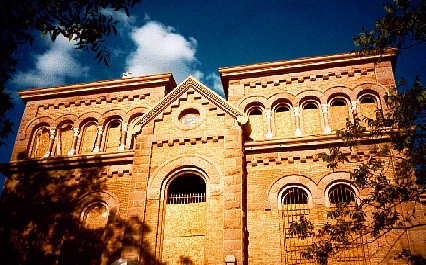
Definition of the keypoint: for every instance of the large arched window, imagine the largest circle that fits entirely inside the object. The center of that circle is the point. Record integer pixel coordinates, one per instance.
(95, 216)
(113, 136)
(338, 114)
(284, 123)
(64, 139)
(88, 137)
(257, 123)
(311, 118)
(185, 189)
(294, 205)
(40, 142)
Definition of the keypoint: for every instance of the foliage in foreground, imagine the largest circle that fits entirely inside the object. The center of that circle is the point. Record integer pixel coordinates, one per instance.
(87, 23)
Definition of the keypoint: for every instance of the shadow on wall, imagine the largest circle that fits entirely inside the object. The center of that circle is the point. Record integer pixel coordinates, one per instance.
(39, 222)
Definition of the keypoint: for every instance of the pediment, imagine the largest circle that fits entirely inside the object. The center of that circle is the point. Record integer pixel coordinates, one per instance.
(187, 84)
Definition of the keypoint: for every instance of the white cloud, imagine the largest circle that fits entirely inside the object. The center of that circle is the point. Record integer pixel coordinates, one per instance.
(159, 50)
(213, 80)
(52, 67)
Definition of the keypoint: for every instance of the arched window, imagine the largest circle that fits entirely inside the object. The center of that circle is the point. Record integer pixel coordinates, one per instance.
(311, 118)
(95, 216)
(185, 189)
(113, 136)
(88, 138)
(40, 142)
(284, 121)
(367, 108)
(64, 139)
(341, 193)
(338, 113)
(294, 204)
(257, 123)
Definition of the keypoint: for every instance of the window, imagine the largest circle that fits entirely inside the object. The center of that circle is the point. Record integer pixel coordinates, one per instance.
(64, 139)
(257, 123)
(185, 189)
(40, 142)
(284, 121)
(113, 136)
(294, 204)
(95, 216)
(88, 138)
(311, 118)
(338, 114)
(367, 108)
(189, 117)
(341, 193)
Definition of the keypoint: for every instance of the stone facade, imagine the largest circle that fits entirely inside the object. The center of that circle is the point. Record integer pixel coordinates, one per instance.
(147, 170)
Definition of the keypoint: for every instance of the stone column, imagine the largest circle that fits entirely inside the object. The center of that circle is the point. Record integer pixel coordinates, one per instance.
(123, 136)
(354, 110)
(324, 109)
(74, 142)
(268, 124)
(52, 134)
(296, 112)
(98, 140)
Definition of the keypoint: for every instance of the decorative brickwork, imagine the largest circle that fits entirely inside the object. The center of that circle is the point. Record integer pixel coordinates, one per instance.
(93, 174)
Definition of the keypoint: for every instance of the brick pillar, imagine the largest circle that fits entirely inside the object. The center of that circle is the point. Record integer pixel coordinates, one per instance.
(98, 140)
(123, 136)
(141, 227)
(74, 142)
(324, 108)
(296, 112)
(52, 134)
(233, 208)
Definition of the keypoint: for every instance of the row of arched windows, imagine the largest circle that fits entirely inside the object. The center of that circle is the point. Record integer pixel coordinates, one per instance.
(284, 120)
(91, 137)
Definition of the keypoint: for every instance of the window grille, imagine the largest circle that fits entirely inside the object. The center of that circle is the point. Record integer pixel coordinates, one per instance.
(341, 193)
(294, 204)
(186, 198)
(353, 253)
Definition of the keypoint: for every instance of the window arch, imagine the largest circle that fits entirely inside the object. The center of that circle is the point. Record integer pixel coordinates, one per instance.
(257, 123)
(311, 117)
(88, 138)
(40, 142)
(186, 188)
(341, 193)
(338, 113)
(113, 135)
(284, 123)
(95, 216)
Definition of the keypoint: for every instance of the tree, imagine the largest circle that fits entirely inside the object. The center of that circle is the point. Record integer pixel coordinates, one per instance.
(84, 22)
(394, 177)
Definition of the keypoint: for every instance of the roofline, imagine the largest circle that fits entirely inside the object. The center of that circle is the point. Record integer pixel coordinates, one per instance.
(98, 87)
(299, 64)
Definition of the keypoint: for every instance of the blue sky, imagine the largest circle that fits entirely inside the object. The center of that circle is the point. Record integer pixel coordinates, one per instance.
(197, 37)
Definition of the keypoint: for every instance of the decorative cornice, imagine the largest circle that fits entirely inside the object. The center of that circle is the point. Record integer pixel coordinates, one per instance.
(298, 65)
(188, 83)
(166, 80)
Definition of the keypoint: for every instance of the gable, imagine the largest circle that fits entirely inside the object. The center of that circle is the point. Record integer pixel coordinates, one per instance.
(192, 84)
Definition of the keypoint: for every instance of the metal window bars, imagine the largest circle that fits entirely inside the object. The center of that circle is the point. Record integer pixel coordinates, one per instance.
(186, 198)
(294, 205)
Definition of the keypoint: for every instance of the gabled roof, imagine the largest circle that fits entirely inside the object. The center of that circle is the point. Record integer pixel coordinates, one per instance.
(197, 86)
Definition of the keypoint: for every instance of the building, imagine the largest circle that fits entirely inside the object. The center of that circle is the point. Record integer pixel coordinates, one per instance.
(143, 169)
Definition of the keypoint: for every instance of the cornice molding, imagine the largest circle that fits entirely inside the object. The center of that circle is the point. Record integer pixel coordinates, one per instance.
(100, 86)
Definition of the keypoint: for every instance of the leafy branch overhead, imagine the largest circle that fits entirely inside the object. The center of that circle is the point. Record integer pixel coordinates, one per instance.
(86, 23)
(403, 26)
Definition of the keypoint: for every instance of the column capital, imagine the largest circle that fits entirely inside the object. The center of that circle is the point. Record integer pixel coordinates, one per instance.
(296, 111)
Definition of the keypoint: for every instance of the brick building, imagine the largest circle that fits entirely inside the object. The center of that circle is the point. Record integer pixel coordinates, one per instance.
(143, 169)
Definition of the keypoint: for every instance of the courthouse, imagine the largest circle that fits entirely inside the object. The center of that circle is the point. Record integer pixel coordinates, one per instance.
(146, 170)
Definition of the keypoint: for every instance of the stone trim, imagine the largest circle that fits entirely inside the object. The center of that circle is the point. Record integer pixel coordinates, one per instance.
(173, 96)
